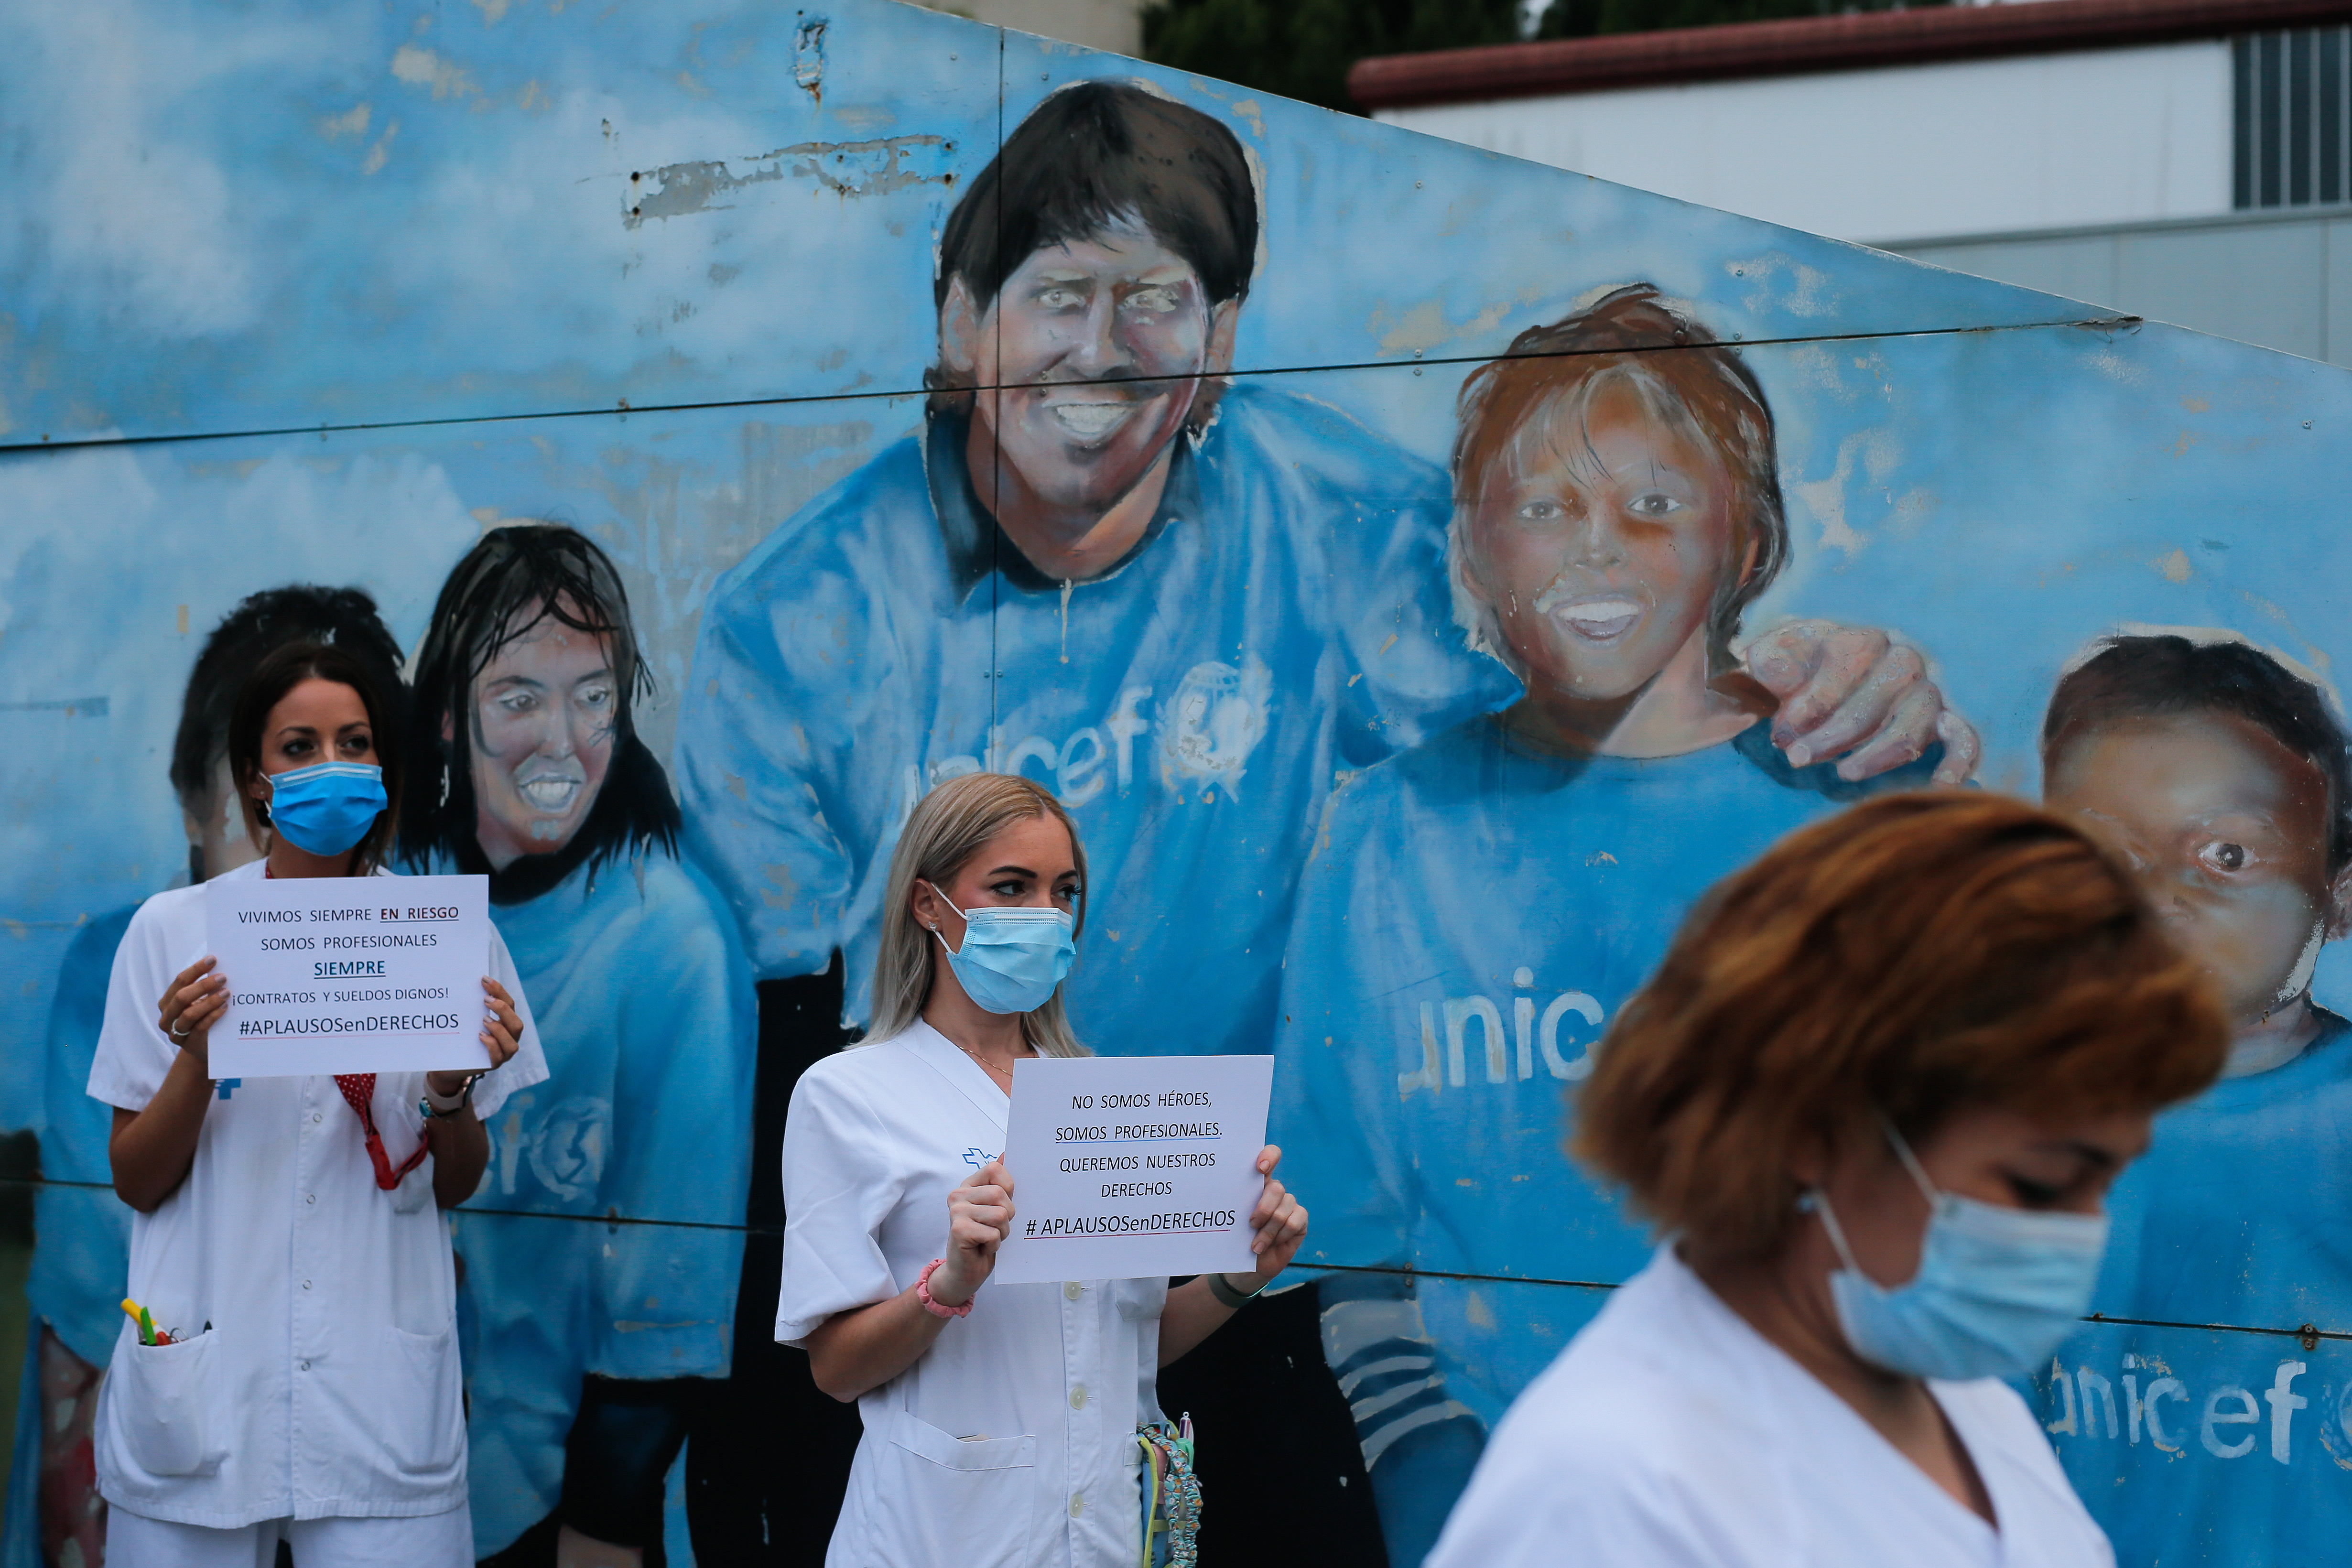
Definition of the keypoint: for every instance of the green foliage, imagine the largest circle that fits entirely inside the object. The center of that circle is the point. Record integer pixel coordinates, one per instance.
(1583, 18)
(1302, 48)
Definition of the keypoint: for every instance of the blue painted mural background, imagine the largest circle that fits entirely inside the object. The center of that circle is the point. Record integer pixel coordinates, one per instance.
(292, 296)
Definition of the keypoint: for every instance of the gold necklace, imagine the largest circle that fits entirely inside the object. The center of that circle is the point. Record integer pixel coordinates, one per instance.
(986, 1065)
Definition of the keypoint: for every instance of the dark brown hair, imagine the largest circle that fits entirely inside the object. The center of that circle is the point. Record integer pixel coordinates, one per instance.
(1674, 364)
(2166, 675)
(1094, 156)
(516, 579)
(1915, 956)
(281, 673)
(297, 612)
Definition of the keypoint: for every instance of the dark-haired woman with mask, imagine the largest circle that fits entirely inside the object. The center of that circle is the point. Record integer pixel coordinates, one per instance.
(1001, 1420)
(301, 1382)
(82, 1231)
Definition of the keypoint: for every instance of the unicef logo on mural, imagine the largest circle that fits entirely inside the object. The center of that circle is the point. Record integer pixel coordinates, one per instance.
(1216, 719)
(567, 1152)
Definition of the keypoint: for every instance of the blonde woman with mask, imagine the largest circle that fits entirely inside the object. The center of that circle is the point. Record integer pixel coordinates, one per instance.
(999, 1419)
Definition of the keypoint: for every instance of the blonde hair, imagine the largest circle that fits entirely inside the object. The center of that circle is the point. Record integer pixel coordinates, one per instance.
(947, 828)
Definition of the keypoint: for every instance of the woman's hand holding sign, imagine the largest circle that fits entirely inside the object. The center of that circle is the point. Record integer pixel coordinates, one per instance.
(187, 1012)
(979, 1217)
(865, 1347)
(1200, 1307)
(501, 1036)
(1279, 1224)
(150, 1151)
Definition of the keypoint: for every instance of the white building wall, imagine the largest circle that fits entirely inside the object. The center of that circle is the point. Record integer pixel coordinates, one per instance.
(2279, 278)
(2034, 142)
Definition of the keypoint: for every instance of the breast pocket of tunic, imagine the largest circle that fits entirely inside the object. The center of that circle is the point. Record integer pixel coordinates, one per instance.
(163, 1407)
(939, 1498)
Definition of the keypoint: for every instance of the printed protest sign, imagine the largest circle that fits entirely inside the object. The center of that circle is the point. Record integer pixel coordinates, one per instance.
(349, 974)
(1130, 1166)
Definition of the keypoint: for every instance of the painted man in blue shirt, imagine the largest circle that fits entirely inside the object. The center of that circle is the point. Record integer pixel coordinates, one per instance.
(1478, 908)
(1186, 605)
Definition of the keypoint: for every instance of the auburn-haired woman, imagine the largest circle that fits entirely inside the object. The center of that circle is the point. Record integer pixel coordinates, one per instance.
(1875, 1097)
(302, 1387)
(999, 1419)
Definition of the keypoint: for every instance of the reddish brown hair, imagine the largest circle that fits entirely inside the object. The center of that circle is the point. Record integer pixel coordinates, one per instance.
(1686, 377)
(1912, 957)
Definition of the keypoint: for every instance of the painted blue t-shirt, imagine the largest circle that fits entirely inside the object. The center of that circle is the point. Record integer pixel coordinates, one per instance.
(644, 1009)
(1285, 616)
(2190, 1245)
(81, 1230)
(2223, 1447)
(1475, 912)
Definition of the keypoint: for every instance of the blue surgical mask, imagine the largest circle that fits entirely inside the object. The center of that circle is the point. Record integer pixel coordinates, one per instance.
(1012, 958)
(1996, 1290)
(326, 807)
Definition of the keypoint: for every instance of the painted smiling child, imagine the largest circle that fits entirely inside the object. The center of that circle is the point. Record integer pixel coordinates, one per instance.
(1479, 907)
(2223, 776)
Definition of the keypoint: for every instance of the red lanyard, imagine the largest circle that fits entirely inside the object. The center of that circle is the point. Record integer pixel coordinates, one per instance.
(358, 1089)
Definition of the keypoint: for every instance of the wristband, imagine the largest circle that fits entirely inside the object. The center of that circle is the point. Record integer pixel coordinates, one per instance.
(923, 1294)
(1233, 1301)
(435, 1105)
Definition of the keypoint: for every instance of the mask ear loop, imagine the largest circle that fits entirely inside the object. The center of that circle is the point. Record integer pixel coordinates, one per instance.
(1911, 1163)
(1815, 1201)
(944, 898)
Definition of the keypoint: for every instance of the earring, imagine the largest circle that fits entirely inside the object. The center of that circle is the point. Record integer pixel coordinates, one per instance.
(444, 787)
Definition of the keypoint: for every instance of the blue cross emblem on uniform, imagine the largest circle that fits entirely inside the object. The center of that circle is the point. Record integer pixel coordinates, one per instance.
(222, 1086)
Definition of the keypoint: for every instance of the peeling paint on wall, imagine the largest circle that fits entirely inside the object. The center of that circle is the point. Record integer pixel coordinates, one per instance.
(874, 168)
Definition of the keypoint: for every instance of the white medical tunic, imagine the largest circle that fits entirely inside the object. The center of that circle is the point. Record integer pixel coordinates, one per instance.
(1012, 1442)
(328, 1385)
(1671, 1432)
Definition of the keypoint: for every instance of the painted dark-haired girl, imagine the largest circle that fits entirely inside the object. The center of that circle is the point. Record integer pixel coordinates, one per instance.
(289, 1241)
(588, 1345)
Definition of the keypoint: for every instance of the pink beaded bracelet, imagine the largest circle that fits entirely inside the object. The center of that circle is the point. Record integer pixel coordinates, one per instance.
(923, 1294)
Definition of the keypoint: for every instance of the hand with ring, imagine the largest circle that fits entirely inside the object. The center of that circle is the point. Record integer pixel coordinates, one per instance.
(195, 1001)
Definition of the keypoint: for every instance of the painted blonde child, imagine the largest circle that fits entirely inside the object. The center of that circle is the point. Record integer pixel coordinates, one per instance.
(1477, 907)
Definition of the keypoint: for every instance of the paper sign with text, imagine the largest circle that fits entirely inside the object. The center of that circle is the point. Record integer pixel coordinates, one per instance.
(1129, 1166)
(380, 974)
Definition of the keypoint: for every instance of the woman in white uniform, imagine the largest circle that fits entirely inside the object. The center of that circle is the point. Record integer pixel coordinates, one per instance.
(999, 1419)
(1875, 1096)
(287, 1240)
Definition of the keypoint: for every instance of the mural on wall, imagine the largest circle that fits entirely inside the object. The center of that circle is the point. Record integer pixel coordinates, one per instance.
(1421, 574)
